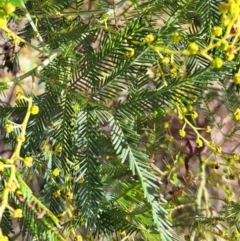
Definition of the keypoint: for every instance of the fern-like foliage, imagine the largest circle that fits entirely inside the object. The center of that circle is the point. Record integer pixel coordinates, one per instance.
(115, 76)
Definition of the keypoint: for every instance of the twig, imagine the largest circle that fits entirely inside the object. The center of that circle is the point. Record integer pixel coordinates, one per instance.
(37, 70)
(28, 16)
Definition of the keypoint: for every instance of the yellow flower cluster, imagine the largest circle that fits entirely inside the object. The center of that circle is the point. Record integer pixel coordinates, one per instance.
(11, 186)
(194, 115)
(165, 60)
(17, 213)
(9, 128)
(19, 95)
(176, 37)
(56, 172)
(217, 31)
(236, 78)
(182, 133)
(4, 238)
(57, 193)
(69, 195)
(236, 114)
(166, 125)
(7, 9)
(217, 62)
(199, 143)
(208, 129)
(34, 110)
(149, 38)
(193, 48)
(28, 161)
(129, 53)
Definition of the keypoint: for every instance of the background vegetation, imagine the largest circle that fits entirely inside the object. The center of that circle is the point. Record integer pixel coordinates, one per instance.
(128, 126)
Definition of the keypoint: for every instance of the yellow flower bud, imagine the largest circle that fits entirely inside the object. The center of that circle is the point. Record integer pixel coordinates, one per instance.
(69, 195)
(9, 8)
(47, 147)
(165, 60)
(34, 110)
(224, 45)
(3, 22)
(166, 125)
(236, 114)
(57, 193)
(217, 31)
(149, 39)
(130, 52)
(236, 78)
(4, 238)
(182, 133)
(208, 129)
(58, 149)
(180, 116)
(217, 62)
(11, 186)
(184, 109)
(176, 37)
(18, 213)
(225, 20)
(105, 17)
(193, 48)
(199, 143)
(19, 95)
(194, 115)
(19, 193)
(230, 56)
(56, 172)
(9, 128)
(28, 161)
